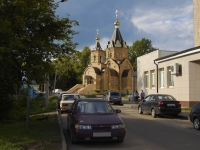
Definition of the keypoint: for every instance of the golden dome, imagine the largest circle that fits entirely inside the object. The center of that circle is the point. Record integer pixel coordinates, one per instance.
(116, 23)
(97, 38)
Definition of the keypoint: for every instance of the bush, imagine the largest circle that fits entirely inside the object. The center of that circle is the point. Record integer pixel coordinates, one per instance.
(15, 109)
(90, 96)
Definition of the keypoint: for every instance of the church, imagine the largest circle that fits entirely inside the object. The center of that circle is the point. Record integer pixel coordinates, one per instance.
(109, 69)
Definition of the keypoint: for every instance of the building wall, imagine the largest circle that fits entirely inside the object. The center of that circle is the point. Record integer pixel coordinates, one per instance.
(186, 85)
(196, 11)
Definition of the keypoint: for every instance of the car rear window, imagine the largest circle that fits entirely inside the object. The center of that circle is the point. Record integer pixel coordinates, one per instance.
(68, 97)
(166, 97)
(115, 94)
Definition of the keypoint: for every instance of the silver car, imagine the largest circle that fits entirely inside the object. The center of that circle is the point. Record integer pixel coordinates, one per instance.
(113, 97)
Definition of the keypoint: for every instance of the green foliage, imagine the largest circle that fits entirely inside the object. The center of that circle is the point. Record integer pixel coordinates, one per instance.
(28, 33)
(18, 108)
(90, 96)
(37, 105)
(139, 48)
(70, 69)
(41, 134)
(97, 91)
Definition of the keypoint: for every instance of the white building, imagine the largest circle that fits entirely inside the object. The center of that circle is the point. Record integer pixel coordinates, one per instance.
(169, 72)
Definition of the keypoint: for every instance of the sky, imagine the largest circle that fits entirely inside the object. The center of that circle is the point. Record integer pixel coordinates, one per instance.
(167, 23)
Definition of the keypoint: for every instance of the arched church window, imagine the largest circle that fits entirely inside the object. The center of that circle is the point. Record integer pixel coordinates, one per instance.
(116, 82)
(112, 82)
(110, 55)
(94, 57)
(101, 59)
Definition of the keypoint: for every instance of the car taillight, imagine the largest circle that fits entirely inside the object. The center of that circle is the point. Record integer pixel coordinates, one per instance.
(160, 104)
(179, 104)
(64, 104)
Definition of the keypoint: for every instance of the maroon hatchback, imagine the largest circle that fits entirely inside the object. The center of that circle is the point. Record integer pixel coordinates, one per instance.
(94, 120)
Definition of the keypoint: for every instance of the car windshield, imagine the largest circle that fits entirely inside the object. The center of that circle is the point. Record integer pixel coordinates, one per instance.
(68, 97)
(115, 94)
(93, 107)
(166, 97)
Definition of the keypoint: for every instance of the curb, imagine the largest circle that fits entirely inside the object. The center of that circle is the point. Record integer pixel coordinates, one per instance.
(64, 144)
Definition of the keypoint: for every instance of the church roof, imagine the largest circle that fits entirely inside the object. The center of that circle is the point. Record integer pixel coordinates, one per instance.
(113, 72)
(125, 73)
(117, 36)
(97, 45)
(97, 70)
(117, 40)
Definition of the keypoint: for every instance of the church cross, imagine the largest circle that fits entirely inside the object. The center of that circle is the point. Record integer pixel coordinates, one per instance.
(116, 13)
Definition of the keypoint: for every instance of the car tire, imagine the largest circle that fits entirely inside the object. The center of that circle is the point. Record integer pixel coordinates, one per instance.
(153, 113)
(196, 123)
(140, 110)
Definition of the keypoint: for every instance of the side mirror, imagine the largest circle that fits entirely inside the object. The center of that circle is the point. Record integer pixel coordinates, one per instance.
(143, 100)
(117, 110)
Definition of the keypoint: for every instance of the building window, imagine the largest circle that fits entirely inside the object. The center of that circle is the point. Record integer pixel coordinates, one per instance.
(162, 78)
(146, 80)
(116, 83)
(110, 55)
(112, 82)
(170, 78)
(101, 59)
(94, 58)
(152, 79)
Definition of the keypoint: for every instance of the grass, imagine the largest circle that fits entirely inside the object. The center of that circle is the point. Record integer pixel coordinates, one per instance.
(41, 134)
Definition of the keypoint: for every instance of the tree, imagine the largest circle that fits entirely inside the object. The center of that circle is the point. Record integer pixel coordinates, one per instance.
(29, 29)
(71, 68)
(139, 48)
(80, 61)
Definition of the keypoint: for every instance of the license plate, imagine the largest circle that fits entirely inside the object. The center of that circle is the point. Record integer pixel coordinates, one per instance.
(102, 134)
(171, 105)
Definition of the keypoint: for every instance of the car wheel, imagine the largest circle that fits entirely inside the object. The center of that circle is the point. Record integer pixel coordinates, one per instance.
(140, 110)
(153, 113)
(196, 124)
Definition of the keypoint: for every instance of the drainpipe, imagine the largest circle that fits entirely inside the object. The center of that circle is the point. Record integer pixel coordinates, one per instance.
(156, 76)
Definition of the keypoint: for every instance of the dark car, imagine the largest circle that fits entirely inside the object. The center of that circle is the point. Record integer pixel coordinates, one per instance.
(195, 116)
(94, 120)
(113, 97)
(160, 104)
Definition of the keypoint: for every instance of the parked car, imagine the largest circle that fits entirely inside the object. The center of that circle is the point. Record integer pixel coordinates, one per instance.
(67, 100)
(94, 120)
(195, 116)
(160, 104)
(113, 97)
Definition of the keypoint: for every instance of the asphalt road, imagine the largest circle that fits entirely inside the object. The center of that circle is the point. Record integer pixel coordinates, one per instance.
(145, 133)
